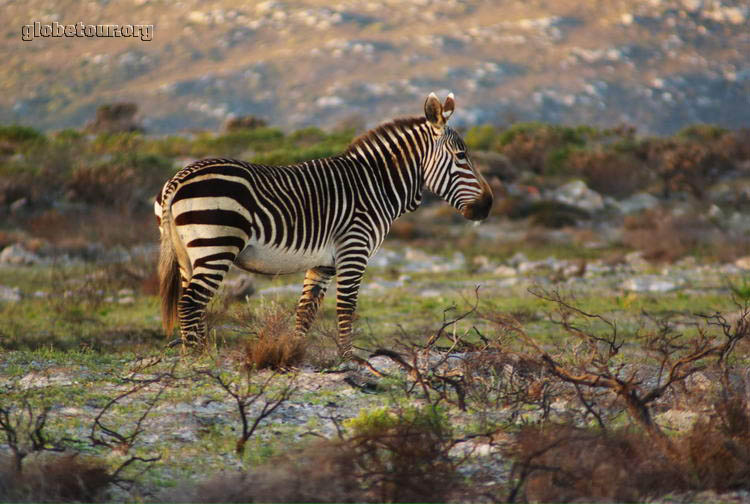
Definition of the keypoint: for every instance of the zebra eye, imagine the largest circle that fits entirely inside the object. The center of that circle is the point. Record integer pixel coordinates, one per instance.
(461, 155)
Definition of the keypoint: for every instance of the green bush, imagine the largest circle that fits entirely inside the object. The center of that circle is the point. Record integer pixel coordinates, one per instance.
(17, 134)
(702, 132)
(234, 143)
(110, 143)
(483, 137)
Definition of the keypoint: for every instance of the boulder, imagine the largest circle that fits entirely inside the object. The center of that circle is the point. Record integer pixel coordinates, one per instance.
(636, 203)
(578, 194)
(17, 255)
(651, 283)
(9, 294)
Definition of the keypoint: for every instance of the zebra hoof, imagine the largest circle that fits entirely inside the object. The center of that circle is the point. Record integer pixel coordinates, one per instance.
(174, 343)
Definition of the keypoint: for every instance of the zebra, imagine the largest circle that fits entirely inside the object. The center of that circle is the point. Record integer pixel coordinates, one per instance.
(325, 217)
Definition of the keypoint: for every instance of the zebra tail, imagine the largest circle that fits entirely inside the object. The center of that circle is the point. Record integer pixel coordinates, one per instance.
(169, 278)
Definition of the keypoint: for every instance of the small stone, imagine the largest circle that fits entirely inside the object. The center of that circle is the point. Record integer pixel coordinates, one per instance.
(578, 194)
(505, 271)
(16, 254)
(125, 292)
(430, 293)
(10, 294)
(681, 420)
(518, 258)
(650, 284)
(127, 300)
(239, 288)
(636, 203)
(18, 205)
(743, 263)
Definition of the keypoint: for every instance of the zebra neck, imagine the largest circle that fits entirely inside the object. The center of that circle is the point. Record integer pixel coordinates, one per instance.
(396, 173)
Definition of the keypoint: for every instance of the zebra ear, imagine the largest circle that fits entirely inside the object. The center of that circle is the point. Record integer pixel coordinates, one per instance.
(449, 106)
(433, 110)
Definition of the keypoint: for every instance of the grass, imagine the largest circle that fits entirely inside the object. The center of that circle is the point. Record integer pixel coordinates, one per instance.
(194, 427)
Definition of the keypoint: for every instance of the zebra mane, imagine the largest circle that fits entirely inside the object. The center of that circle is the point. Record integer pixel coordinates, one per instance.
(377, 132)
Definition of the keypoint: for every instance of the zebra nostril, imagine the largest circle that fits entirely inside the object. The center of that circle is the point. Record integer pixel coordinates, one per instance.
(479, 209)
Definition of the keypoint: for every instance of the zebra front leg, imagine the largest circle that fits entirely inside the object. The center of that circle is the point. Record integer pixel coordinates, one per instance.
(348, 279)
(313, 291)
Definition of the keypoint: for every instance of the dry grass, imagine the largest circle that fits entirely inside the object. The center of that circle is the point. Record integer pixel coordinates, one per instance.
(390, 457)
(564, 463)
(665, 237)
(273, 344)
(66, 478)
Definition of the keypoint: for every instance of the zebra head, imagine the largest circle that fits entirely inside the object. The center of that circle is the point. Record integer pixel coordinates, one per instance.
(448, 171)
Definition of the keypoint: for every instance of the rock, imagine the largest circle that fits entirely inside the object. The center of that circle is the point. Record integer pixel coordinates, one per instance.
(430, 293)
(16, 254)
(492, 163)
(247, 122)
(651, 284)
(18, 205)
(743, 263)
(127, 300)
(636, 203)
(37, 380)
(577, 194)
(504, 271)
(636, 261)
(10, 294)
(115, 117)
(518, 258)
(681, 420)
(240, 287)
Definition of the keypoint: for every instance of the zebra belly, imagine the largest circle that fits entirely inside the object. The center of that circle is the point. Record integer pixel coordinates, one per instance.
(278, 261)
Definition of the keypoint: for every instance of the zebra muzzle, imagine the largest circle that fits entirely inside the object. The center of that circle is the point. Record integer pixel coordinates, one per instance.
(479, 209)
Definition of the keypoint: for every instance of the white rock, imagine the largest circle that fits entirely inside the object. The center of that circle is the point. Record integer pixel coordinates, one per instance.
(636, 203)
(18, 255)
(518, 258)
(127, 300)
(10, 294)
(430, 293)
(651, 284)
(577, 194)
(504, 271)
(678, 419)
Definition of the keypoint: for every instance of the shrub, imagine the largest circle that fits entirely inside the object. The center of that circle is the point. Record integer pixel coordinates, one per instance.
(563, 463)
(234, 143)
(127, 178)
(18, 135)
(533, 146)
(286, 156)
(665, 237)
(396, 456)
(483, 137)
(607, 172)
(115, 118)
(403, 455)
(248, 122)
(275, 344)
(66, 478)
(686, 166)
(702, 132)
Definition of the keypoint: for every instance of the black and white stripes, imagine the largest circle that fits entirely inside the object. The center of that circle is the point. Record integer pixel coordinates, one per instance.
(326, 216)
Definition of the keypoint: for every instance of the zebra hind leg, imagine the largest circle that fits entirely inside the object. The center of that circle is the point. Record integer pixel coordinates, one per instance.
(192, 306)
(313, 290)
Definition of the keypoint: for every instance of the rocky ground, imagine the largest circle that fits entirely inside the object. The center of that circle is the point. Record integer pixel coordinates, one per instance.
(657, 64)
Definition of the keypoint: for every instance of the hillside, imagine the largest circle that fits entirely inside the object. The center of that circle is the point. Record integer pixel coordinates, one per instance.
(655, 64)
